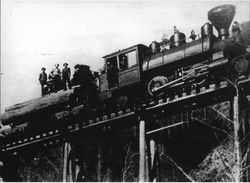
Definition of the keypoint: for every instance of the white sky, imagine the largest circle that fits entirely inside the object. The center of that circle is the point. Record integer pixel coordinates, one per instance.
(37, 34)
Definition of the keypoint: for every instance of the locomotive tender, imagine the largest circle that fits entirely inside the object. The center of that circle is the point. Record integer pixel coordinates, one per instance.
(140, 72)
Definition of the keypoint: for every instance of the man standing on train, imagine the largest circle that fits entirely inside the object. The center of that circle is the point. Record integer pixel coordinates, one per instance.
(55, 75)
(43, 80)
(66, 73)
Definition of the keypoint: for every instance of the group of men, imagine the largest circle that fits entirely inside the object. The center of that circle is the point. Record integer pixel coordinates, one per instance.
(56, 81)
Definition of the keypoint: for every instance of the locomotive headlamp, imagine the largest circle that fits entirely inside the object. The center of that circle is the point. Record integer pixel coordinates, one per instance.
(241, 65)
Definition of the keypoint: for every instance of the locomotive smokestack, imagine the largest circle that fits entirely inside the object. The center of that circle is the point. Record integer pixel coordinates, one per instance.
(221, 17)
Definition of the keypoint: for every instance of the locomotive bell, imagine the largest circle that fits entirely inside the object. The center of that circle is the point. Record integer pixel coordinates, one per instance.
(221, 17)
(241, 65)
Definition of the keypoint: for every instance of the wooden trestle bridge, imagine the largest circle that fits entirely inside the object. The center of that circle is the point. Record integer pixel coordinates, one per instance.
(18, 140)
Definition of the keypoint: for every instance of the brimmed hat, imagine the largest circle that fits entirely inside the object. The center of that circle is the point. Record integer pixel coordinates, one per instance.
(43, 68)
(65, 64)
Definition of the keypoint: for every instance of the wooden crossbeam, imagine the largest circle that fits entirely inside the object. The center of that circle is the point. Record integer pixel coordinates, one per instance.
(166, 127)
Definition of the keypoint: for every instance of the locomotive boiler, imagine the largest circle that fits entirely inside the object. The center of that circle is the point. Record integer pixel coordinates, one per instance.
(140, 72)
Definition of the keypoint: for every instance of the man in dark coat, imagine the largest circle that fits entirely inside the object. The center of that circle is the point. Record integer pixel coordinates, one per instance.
(43, 80)
(83, 77)
(112, 74)
(66, 73)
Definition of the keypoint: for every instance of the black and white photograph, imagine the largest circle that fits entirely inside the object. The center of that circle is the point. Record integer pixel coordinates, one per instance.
(125, 91)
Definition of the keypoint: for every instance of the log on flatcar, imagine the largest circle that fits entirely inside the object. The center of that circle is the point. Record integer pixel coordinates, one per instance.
(46, 105)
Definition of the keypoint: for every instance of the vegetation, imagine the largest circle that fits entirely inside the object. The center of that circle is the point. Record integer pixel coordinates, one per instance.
(200, 150)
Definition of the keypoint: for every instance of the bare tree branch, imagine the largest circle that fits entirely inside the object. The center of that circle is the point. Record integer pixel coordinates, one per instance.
(243, 169)
(54, 167)
(227, 167)
(226, 118)
(40, 179)
(245, 137)
(177, 166)
(242, 116)
(245, 156)
(213, 127)
(128, 162)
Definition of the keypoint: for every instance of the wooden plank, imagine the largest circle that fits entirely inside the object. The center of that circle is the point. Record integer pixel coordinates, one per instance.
(166, 127)
(152, 152)
(237, 172)
(99, 161)
(65, 159)
(142, 134)
(153, 159)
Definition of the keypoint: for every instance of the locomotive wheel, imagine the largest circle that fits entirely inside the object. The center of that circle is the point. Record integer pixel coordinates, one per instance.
(156, 82)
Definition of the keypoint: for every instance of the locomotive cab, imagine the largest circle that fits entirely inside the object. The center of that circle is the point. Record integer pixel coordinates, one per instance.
(122, 70)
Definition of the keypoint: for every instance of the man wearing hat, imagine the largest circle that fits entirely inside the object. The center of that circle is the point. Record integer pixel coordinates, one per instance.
(55, 75)
(43, 80)
(66, 73)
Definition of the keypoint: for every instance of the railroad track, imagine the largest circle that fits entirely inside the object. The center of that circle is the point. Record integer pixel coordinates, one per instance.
(19, 139)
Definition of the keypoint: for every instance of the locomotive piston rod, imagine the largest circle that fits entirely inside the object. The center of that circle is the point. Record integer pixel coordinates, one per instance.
(193, 73)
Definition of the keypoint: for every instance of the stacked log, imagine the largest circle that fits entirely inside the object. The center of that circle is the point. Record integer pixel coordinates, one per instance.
(53, 103)
(70, 116)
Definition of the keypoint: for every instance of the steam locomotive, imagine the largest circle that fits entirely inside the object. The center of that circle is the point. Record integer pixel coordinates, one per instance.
(164, 66)
(140, 72)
